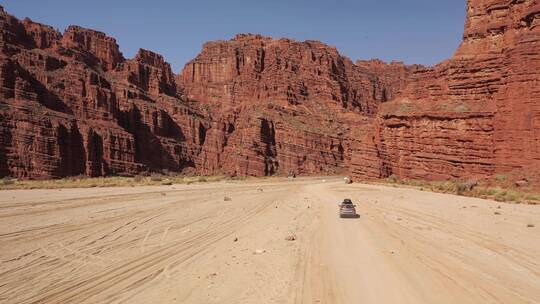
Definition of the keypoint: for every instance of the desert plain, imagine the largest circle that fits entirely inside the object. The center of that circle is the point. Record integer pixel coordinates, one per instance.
(265, 241)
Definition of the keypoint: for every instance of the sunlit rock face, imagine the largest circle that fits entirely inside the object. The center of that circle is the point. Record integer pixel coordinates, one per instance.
(288, 105)
(475, 114)
(71, 104)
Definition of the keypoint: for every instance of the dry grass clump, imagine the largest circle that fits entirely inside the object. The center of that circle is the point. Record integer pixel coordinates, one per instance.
(155, 178)
(500, 177)
(6, 181)
(110, 181)
(471, 188)
(393, 179)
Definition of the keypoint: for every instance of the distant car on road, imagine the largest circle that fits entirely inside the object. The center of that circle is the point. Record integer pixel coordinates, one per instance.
(347, 209)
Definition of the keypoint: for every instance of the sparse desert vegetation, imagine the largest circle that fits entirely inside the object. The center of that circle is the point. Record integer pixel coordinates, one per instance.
(138, 244)
(111, 181)
(469, 188)
(472, 188)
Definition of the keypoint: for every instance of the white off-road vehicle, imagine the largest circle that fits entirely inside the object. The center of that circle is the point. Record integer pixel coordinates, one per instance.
(347, 209)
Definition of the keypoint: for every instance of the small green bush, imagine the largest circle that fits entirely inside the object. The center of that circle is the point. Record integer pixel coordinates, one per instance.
(532, 197)
(500, 196)
(491, 191)
(512, 196)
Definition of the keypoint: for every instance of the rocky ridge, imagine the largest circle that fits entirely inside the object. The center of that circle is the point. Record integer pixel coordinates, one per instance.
(71, 104)
(474, 115)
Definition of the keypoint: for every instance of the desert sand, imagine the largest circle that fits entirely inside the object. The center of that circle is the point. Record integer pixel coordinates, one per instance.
(188, 244)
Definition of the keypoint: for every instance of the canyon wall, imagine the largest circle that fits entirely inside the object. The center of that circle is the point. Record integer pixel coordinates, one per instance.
(71, 104)
(474, 115)
(292, 104)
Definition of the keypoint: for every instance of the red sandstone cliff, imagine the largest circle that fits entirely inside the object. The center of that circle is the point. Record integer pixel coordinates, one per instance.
(71, 104)
(476, 114)
(288, 105)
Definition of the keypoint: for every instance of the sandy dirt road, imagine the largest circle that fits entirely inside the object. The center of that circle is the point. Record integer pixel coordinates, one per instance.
(186, 244)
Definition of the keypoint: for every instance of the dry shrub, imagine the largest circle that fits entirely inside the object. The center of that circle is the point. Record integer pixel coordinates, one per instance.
(6, 181)
(156, 178)
(393, 178)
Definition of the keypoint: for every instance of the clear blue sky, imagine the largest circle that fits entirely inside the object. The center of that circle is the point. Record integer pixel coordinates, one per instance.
(414, 31)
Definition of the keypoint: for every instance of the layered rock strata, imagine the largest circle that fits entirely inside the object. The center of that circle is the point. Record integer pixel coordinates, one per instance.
(71, 104)
(474, 115)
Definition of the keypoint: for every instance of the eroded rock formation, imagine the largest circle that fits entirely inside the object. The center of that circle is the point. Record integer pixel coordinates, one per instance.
(71, 104)
(287, 105)
(474, 115)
